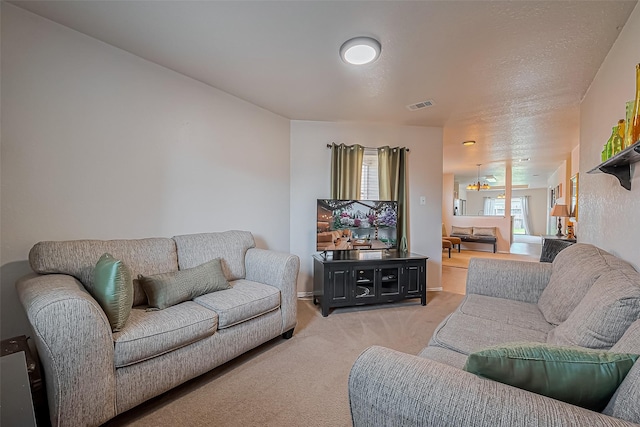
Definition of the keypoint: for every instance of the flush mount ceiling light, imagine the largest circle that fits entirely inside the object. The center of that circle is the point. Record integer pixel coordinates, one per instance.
(467, 143)
(360, 50)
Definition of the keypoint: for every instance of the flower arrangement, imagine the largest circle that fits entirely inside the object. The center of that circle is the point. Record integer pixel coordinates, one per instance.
(348, 218)
(388, 218)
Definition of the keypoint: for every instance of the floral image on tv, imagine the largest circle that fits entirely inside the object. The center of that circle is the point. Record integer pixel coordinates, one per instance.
(356, 224)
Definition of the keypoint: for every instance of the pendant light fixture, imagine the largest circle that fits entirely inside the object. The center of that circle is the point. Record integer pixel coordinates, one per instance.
(477, 186)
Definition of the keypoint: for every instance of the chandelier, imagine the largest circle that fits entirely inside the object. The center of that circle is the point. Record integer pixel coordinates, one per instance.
(477, 186)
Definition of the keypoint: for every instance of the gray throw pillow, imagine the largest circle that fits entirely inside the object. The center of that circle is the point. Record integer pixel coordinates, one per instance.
(484, 231)
(167, 289)
(113, 289)
(462, 231)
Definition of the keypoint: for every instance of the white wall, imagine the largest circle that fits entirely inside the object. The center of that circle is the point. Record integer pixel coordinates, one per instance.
(575, 161)
(310, 180)
(608, 214)
(537, 208)
(98, 143)
(559, 177)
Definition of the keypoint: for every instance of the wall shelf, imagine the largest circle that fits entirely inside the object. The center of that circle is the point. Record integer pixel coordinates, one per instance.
(620, 165)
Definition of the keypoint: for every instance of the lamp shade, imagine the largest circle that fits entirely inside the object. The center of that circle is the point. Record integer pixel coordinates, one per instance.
(560, 210)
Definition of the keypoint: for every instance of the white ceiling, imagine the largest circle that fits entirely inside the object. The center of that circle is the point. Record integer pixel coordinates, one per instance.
(508, 74)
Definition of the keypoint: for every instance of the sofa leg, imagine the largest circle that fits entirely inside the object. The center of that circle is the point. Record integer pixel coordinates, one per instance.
(288, 334)
(449, 252)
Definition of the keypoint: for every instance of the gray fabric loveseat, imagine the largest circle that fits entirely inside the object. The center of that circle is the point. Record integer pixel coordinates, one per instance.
(93, 374)
(586, 299)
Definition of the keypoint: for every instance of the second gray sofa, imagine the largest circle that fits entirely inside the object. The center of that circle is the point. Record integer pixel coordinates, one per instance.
(586, 298)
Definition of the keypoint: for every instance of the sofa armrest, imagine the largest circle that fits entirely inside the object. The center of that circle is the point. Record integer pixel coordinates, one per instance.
(280, 270)
(389, 388)
(75, 346)
(516, 280)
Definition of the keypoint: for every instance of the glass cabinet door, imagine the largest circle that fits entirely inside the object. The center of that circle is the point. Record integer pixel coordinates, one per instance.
(390, 280)
(365, 282)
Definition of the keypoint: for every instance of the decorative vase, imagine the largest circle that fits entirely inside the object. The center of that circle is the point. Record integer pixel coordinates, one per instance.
(633, 126)
(609, 146)
(617, 143)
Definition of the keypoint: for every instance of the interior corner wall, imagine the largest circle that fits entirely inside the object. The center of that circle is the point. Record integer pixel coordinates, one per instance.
(448, 190)
(100, 144)
(310, 180)
(608, 214)
(575, 161)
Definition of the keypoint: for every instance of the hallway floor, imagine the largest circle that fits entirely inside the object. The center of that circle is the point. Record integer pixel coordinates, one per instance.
(454, 269)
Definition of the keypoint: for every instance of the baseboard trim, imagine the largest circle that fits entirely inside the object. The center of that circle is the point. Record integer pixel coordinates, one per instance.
(434, 289)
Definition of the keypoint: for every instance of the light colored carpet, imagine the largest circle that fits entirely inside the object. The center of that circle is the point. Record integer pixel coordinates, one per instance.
(296, 382)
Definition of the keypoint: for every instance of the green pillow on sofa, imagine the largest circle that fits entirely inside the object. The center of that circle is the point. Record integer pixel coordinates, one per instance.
(167, 289)
(585, 378)
(113, 289)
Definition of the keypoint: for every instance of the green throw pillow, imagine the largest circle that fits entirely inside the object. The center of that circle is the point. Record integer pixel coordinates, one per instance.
(113, 289)
(167, 289)
(585, 378)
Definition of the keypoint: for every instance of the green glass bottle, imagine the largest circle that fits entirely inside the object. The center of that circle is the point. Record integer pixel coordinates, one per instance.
(609, 145)
(617, 143)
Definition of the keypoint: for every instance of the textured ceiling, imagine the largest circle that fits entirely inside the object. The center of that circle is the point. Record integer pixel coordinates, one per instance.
(508, 74)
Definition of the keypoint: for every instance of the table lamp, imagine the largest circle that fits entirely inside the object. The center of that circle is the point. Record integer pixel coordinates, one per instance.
(560, 211)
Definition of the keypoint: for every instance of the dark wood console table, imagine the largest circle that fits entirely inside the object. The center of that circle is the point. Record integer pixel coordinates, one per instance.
(350, 278)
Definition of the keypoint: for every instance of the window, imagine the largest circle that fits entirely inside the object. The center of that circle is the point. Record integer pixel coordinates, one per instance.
(516, 211)
(369, 189)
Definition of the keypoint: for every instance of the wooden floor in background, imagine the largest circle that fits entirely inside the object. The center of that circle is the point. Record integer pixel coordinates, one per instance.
(454, 269)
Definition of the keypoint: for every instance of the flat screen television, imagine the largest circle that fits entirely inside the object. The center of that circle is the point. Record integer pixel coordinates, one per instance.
(344, 225)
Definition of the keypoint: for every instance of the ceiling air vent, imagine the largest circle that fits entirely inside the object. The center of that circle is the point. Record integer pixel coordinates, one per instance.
(420, 105)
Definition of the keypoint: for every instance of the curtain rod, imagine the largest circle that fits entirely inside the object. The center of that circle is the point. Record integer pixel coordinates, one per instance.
(329, 146)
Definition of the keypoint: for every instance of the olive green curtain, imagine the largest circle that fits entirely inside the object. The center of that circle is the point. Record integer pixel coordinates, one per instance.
(346, 171)
(392, 182)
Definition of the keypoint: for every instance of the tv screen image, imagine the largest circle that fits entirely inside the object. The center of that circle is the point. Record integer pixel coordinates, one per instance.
(344, 225)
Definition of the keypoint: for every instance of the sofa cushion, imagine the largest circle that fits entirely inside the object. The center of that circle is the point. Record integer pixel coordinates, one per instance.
(167, 289)
(149, 334)
(604, 314)
(78, 259)
(466, 334)
(229, 246)
(630, 341)
(113, 289)
(244, 301)
(556, 372)
(444, 355)
(575, 270)
(624, 403)
(484, 231)
(502, 310)
(463, 231)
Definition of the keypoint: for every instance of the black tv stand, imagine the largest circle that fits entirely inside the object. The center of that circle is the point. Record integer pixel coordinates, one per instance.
(350, 278)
